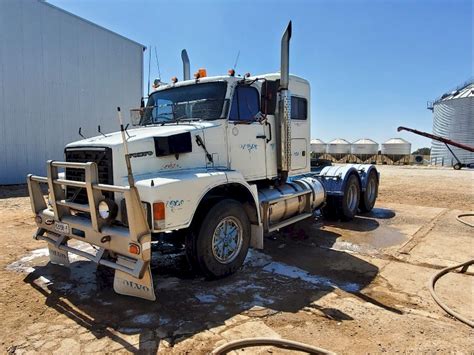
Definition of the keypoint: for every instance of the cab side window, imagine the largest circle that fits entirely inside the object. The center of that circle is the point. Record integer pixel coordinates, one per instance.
(245, 104)
(299, 108)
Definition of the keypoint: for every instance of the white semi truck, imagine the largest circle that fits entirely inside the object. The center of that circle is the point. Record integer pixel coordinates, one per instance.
(211, 164)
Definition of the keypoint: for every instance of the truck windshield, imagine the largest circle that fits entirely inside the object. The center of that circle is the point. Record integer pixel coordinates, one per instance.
(197, 101)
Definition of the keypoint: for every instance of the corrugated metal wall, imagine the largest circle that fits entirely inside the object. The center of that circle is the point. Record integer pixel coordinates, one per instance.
(453, 119)
(58, 72)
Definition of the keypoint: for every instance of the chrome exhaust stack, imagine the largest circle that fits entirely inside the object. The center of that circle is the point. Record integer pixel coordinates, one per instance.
(186, 65)
(284, 107)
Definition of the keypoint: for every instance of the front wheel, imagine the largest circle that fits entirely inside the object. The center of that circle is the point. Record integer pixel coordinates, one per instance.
(223, 239)
(457, 166)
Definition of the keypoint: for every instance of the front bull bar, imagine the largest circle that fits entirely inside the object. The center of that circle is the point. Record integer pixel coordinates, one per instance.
(132, 270)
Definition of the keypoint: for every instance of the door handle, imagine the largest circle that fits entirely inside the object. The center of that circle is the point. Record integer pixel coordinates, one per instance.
(269, 131)
(261, 136)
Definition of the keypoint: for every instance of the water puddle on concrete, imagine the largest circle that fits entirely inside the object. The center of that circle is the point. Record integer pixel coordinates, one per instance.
(384, 237)
(370, 242)
(369, 232)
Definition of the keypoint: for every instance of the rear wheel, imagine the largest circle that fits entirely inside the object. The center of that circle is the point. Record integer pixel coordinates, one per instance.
(223, 239)
(345, 207)
(350, 200)
(330, 210)
(369, 196)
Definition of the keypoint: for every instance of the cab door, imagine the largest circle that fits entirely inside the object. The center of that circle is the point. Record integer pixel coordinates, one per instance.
(300, 130)
(246, 134)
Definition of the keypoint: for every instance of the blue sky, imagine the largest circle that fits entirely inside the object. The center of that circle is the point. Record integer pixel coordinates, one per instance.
(372, 65)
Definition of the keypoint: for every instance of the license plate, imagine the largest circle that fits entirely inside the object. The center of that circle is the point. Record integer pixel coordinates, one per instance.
(61, 228)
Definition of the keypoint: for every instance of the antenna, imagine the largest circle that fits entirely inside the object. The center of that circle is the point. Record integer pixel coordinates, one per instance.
(131, 180)
(98, 130)
(157, 64)
(80, 133)
(236, 60)
(149, 64)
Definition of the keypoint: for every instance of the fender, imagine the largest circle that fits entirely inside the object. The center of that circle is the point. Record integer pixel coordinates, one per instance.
(364, 171)
(334, 178)
(183, 191)
(235, 178)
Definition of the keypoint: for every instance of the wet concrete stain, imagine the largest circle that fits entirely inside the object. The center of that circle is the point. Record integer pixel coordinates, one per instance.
(367, 233)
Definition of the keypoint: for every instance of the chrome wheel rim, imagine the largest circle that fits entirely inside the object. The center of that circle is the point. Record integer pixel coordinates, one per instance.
(227, 240)
(352, 197)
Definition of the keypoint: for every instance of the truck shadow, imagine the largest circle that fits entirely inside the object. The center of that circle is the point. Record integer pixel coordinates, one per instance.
(291, 274)
(364, 222)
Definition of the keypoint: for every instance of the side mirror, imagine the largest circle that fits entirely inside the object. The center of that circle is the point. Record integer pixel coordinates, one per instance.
(260, 117)
(136, 116)
(269, 97)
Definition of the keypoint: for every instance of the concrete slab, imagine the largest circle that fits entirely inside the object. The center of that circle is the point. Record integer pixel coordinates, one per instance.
(386, 229)
(412, 281)
(448, 243)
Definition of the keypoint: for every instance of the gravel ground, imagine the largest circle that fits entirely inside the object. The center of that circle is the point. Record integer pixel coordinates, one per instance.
(356, 287)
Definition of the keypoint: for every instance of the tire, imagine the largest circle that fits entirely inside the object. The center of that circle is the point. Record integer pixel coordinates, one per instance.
(227, 225)
(330, 211)
(349, 203)
(369, 196)
(457, 166)
(345, 207)
(191, 251)
(104, 277)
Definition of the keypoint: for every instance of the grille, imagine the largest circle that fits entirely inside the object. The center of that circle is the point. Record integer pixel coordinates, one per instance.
(102, 157)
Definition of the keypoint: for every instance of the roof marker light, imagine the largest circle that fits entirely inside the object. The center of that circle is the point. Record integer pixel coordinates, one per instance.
(201, 73)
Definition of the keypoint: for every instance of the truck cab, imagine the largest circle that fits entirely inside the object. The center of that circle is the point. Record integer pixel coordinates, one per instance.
(241, 116)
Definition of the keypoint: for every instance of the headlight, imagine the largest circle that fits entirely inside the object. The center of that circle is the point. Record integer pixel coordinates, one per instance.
(107, 209)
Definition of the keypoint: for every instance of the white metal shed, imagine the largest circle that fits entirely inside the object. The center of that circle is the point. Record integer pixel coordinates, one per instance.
(58, 72)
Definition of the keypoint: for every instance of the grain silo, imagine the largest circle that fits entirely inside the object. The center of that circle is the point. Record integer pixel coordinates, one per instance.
(453, 118)
(318, 148)
(365, 150)
(339, 149)
(396, 151)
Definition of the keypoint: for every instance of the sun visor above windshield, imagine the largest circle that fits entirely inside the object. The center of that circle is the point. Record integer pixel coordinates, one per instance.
(175, 144)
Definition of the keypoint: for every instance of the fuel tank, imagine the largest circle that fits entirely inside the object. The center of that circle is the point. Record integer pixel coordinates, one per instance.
(288, 200)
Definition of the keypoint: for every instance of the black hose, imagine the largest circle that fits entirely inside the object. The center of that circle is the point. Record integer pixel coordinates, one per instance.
(438, 300)
(444, 271)
(282, 343)
(459, 219)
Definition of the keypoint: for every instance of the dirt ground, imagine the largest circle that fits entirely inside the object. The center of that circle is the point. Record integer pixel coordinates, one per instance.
(354, 287)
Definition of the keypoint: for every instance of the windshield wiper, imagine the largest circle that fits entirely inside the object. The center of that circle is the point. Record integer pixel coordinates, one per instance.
(200, 143)
(181, 119)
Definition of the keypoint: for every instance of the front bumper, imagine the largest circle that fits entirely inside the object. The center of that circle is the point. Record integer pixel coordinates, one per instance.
(68, 220)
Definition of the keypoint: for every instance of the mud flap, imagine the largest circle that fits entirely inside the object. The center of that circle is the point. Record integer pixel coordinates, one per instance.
(58, 256)
(126, 284)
